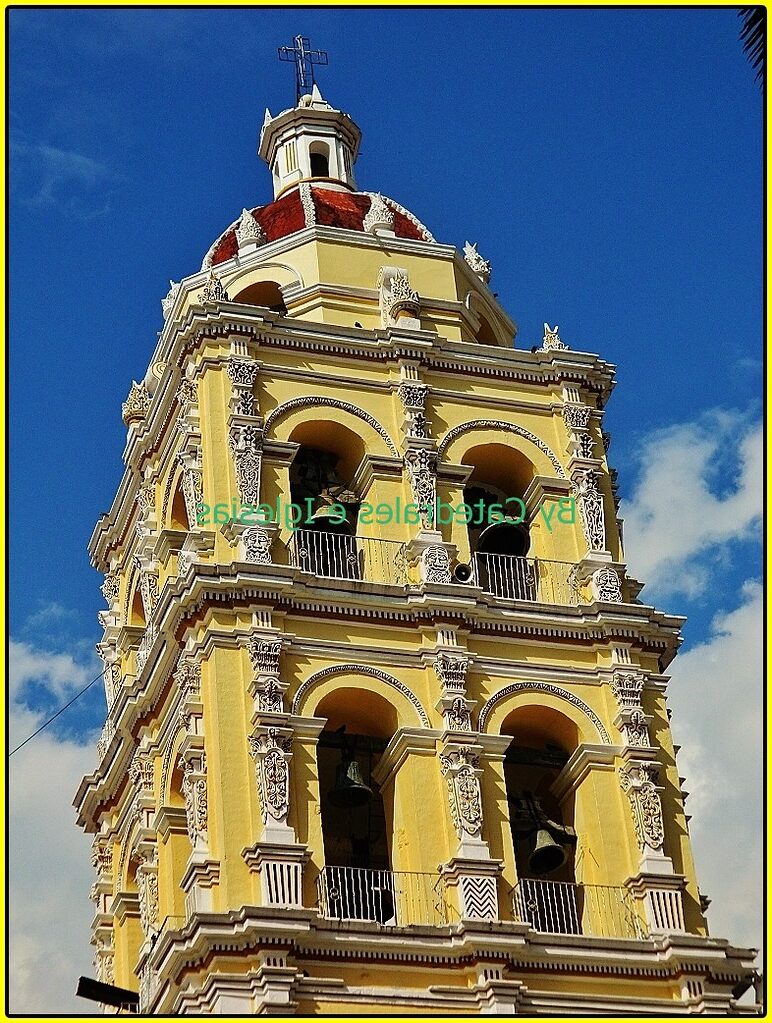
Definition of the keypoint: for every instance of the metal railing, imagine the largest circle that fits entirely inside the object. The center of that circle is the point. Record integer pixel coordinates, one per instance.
(545, 582)
(560, 907)
(339, 556)
(392, 898)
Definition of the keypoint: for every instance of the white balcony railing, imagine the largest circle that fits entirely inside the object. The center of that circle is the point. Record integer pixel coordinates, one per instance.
(560, 907)
(395, 898)
(545, 582)
(339, 556)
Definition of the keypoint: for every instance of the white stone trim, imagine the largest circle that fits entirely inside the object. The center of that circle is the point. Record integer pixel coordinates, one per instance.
(543, 687)
(500, 424)
(360, 669)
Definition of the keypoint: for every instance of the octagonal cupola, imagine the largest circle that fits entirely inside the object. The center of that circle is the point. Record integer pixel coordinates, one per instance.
(310, 142)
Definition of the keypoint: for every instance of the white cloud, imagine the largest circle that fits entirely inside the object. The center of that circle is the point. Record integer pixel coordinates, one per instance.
(716, 698)
(61, 179)
(49, 862)
(700, 489)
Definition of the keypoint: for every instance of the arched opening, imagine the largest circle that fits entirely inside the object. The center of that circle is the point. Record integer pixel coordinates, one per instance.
(178, 516)
(499, 534)
(263, 293)
(137, 611)
(319, 154)
(485, 332)
(320, 486)
(542, 821)
(357, 882)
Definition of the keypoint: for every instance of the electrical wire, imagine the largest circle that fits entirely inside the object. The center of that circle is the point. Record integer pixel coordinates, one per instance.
(61, 710)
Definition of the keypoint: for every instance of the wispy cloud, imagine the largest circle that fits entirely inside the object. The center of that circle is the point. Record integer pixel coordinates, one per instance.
(699, 491)
(49, 863)
(46, 177)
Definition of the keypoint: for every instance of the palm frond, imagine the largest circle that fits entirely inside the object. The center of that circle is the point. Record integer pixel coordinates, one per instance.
(754, 38)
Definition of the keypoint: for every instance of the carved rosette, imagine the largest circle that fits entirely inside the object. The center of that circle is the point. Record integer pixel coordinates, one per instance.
(475, 261)
(639, 782)
(435, 564)
(551, 340)
(606, 585)
(461, 767)
(192, 483)
(627, 687)
(590, 501)
(271, 751)
(193, 766)
(421, 465)
(136, 406)
(246, 443)
(413, 398)
(268, 687)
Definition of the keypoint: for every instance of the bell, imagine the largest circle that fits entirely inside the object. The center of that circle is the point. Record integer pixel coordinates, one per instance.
(350, 790)
(547, 855)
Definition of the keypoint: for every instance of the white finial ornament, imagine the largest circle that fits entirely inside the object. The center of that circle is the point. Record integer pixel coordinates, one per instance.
(213, 290)
(480, 266)
(551, 340)
(379, 216)
(249, 231)
(171, 296)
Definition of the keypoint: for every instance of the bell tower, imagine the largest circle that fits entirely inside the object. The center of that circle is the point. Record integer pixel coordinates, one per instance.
(387, 727)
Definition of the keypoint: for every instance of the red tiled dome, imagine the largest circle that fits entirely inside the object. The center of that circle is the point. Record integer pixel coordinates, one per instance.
(332, 208)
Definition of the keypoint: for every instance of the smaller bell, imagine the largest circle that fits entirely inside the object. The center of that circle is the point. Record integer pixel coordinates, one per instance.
(350, 789)
(547, 855)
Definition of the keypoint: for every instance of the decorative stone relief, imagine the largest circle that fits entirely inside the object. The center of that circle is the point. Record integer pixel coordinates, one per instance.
(435, 564)
(147, 889)
(193, 765)
(451, 672)
(421, 465)
(167, 304)
(378, 216)
(398, 300)
(104, 960)
(577, 419)
(413, 398)
(187, 398)
(192, 483)
(243, 374)
(307, 202)
(257, 545)
(627, 688)
(136, 406)
(272, 752)
(590, 502)
(141, 774)
(461, 768)
(606, 585)
(639, 782)
(213, 290)
(106, 737)
(248, 230)
(148, 587)
(480, 266)
(551, 340)
(458, 717)
(269, 689)
(110, 587)
(247, 446)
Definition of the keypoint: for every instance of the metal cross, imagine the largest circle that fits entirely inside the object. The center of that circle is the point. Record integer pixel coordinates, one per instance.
(304, 59)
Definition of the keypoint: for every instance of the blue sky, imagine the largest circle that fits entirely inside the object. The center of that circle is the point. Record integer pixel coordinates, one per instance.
(607, 162)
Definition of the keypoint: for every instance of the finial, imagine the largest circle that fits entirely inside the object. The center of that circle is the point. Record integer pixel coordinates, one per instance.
(480, 266)
(551, 340)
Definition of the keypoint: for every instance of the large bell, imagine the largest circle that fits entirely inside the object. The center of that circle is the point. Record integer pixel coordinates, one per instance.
(547, 855)
(350, 790)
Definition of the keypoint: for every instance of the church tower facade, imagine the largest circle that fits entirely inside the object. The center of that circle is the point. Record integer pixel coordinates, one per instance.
(386, 718)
